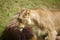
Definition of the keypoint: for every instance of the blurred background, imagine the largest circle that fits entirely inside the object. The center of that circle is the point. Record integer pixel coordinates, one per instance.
(9, 7)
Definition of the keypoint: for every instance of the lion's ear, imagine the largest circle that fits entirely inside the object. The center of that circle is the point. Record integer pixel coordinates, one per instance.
(28, 11)
(21, 10)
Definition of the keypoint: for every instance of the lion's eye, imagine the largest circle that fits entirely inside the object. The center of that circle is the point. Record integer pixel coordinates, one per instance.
(25, 13)
(28, 13)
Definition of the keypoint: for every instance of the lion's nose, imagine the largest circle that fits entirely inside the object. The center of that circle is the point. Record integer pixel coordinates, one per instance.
(20, 20)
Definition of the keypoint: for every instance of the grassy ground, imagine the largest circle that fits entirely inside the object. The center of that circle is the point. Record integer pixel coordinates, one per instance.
(9, 7)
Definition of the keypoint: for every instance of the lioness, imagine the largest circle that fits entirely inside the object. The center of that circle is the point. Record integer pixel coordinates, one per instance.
(42, 21)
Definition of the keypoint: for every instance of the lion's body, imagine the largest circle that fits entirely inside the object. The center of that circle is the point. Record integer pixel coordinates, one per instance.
(48, 20)
(56, 18)
(42, 21)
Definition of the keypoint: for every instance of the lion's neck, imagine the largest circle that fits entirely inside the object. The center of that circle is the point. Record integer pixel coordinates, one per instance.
(34, 15)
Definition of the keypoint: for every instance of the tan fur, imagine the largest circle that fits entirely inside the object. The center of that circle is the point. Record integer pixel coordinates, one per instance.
(42, 21)
(56, 18)
(50, 20)
(44, 18)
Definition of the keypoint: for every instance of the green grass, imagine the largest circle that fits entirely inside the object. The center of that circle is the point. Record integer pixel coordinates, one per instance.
(9, 7)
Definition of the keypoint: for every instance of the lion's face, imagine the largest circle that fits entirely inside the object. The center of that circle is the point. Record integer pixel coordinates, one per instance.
(25, 17)
(30, 17)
